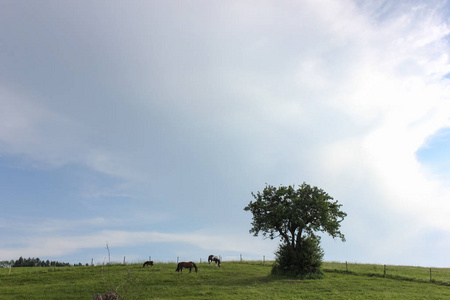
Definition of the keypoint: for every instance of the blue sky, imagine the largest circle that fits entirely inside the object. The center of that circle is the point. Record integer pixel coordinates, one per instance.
(146, 125)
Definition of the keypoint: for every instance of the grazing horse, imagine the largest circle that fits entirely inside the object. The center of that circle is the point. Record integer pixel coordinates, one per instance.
(215, 259)
(184, 264)
(148, 263)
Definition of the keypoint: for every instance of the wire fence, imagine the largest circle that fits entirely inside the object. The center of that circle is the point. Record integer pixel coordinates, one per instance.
(413, 273)
(416, 273)
(229, 258)
(424, 274)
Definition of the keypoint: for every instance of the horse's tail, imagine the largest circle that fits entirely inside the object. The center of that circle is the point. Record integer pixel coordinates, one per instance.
(195, 266)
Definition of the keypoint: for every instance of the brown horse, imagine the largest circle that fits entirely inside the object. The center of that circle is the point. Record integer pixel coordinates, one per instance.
(184, 264)
(215, 259)
(148, 263)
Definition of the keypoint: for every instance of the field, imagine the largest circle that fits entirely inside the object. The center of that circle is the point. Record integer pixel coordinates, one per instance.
(234, 280)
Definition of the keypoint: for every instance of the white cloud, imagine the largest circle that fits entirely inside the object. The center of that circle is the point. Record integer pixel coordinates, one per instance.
(19, 118)
(31, 129)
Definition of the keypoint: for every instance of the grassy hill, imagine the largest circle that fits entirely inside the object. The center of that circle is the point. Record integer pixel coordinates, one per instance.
(234, 280)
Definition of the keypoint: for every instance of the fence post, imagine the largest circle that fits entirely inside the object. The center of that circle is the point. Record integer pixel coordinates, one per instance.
(430, 274)
(384, 274)
(264, 259)
(346, 266)
(92, 262)
(178, 259)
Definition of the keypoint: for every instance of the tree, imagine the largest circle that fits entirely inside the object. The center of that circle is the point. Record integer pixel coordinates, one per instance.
(296, 215)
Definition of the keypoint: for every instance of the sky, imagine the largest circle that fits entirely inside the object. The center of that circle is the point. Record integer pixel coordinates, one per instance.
(143, 127)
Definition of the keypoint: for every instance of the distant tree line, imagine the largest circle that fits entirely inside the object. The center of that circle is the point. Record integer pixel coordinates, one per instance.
(35, 262)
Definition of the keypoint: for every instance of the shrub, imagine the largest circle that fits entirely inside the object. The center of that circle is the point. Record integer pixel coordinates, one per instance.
(303, 262)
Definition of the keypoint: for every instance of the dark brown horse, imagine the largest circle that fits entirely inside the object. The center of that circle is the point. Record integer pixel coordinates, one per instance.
(215, 259)
(186, 265)
(148, 263)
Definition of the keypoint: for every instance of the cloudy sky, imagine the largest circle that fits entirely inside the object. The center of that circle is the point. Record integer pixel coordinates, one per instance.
(146, 125)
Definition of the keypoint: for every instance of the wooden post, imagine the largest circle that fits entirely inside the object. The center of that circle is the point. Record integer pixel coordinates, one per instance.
(384, 274)
(241, 258)
(264, 259)
(92, 262)
(346, 266)
(178, 259)
(10, 266)
(124, 260)
(430, 274)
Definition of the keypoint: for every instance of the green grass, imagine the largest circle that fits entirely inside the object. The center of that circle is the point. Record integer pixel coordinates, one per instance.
(234, 280)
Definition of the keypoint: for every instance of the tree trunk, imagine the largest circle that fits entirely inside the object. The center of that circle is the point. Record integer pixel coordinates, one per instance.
(299, 239)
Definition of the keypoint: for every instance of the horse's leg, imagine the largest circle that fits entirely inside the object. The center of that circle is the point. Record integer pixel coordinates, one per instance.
(190, 269)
